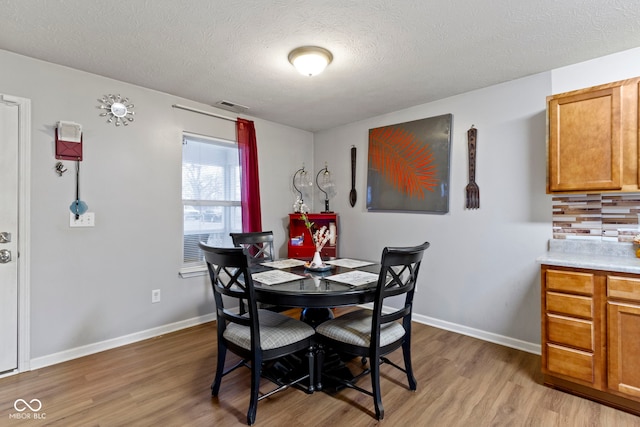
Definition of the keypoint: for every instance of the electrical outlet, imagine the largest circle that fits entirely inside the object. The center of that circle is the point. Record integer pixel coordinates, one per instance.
(87, 219)
(155, 296)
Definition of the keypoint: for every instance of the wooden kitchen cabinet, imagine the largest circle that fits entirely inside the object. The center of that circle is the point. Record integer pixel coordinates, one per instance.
(591, 334)
(623, 333)
(300, 241)
(593, 139)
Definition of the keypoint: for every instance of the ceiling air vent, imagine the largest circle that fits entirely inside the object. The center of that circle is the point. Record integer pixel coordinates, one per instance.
(231, 106)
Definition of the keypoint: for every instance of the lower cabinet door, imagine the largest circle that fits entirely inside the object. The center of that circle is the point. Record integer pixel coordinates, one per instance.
(624, 348)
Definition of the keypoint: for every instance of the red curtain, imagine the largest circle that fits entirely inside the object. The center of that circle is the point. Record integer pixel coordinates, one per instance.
(250, 183)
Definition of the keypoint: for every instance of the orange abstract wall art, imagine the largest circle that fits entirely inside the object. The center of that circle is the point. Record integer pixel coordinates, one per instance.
(408, 166)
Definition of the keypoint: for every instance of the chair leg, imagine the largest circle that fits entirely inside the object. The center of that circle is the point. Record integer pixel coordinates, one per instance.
(375, 386)
(406, 353)
(312, 367)
(319, 364)
(256, 369)
(215, 386)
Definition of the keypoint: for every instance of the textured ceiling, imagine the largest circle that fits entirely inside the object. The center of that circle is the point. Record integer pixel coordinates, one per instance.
(388, 55)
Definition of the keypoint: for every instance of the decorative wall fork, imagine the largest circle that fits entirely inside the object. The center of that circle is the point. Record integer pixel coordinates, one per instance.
(472, 189)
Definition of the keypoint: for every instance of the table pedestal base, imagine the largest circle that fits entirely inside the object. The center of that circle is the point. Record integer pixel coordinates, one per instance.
(315, 316)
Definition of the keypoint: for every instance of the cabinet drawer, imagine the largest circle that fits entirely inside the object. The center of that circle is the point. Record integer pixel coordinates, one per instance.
(570, 362)
(307, 252)
(623, 288)
(300, 252)
(570, 331)
(570, 281)
(573, 305)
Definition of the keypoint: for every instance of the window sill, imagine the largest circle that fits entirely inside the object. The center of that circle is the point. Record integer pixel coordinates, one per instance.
(194, 271)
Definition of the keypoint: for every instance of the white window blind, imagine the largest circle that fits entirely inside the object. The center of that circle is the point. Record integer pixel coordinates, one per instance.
(210, 194)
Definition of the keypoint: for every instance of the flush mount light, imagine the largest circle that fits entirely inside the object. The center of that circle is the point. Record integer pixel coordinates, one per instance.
(310, 60)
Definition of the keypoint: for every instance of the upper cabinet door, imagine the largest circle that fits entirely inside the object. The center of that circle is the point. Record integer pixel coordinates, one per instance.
(585, 141)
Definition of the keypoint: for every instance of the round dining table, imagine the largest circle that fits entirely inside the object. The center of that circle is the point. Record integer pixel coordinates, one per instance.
(315, 292)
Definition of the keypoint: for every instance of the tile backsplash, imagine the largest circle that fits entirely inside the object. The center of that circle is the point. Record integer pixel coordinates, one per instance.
(608, 217)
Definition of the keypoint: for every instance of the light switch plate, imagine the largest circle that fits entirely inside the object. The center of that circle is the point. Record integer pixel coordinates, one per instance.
(87, 219)
(155, 296)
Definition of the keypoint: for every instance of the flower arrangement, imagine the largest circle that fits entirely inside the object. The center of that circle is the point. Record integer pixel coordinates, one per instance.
(320, 237)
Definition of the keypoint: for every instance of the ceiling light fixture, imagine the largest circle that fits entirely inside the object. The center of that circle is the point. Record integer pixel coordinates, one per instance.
(310, 60)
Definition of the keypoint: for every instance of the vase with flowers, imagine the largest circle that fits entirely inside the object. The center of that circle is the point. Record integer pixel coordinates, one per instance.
(320, 238)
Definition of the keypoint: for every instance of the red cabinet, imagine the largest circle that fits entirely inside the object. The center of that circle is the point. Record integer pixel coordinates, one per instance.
(300, 242)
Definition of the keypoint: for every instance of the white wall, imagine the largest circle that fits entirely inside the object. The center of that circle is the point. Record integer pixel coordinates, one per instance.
(89, 285)
(606, 69)
(480, 271)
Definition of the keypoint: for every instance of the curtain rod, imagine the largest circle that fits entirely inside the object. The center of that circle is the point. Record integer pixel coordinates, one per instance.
(206, 113)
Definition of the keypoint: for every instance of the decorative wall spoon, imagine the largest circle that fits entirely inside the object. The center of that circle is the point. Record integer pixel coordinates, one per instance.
(353, 196)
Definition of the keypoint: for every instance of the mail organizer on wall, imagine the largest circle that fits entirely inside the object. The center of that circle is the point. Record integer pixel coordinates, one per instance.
(69, 141)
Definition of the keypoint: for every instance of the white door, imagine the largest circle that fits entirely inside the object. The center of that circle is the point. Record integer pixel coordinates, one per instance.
(8, 236)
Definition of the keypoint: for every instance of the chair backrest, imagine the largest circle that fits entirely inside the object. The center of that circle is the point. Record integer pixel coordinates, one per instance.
(258, 246)
(230, 277)
(398, 275)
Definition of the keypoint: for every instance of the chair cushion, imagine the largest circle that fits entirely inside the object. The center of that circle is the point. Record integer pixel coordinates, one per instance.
(355, 328)
(276, 330)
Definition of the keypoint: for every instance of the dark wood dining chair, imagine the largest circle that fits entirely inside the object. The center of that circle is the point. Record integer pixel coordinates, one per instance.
(258, 245)
(372, 334)
(258, 336)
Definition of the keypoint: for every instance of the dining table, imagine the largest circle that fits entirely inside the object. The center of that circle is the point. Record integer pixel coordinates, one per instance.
(294, 283)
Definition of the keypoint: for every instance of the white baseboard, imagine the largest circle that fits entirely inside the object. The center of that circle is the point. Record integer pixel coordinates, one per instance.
(477, 333)
(472, 332)
(86, 350)
(74, 353)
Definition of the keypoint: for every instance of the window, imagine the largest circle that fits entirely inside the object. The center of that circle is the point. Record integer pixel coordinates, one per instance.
(210, 194)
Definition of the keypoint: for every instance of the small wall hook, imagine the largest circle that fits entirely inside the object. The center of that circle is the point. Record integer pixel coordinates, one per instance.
(60, 168)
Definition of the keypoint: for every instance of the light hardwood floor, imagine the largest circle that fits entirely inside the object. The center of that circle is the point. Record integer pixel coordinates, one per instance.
(165, 381)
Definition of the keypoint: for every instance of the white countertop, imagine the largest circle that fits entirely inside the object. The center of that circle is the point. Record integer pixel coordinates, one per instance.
(595, 255)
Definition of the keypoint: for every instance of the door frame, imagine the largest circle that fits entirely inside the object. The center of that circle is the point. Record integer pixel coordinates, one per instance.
(24, 228)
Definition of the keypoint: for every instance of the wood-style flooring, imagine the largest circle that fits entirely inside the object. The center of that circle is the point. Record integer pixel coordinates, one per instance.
(165, 381)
